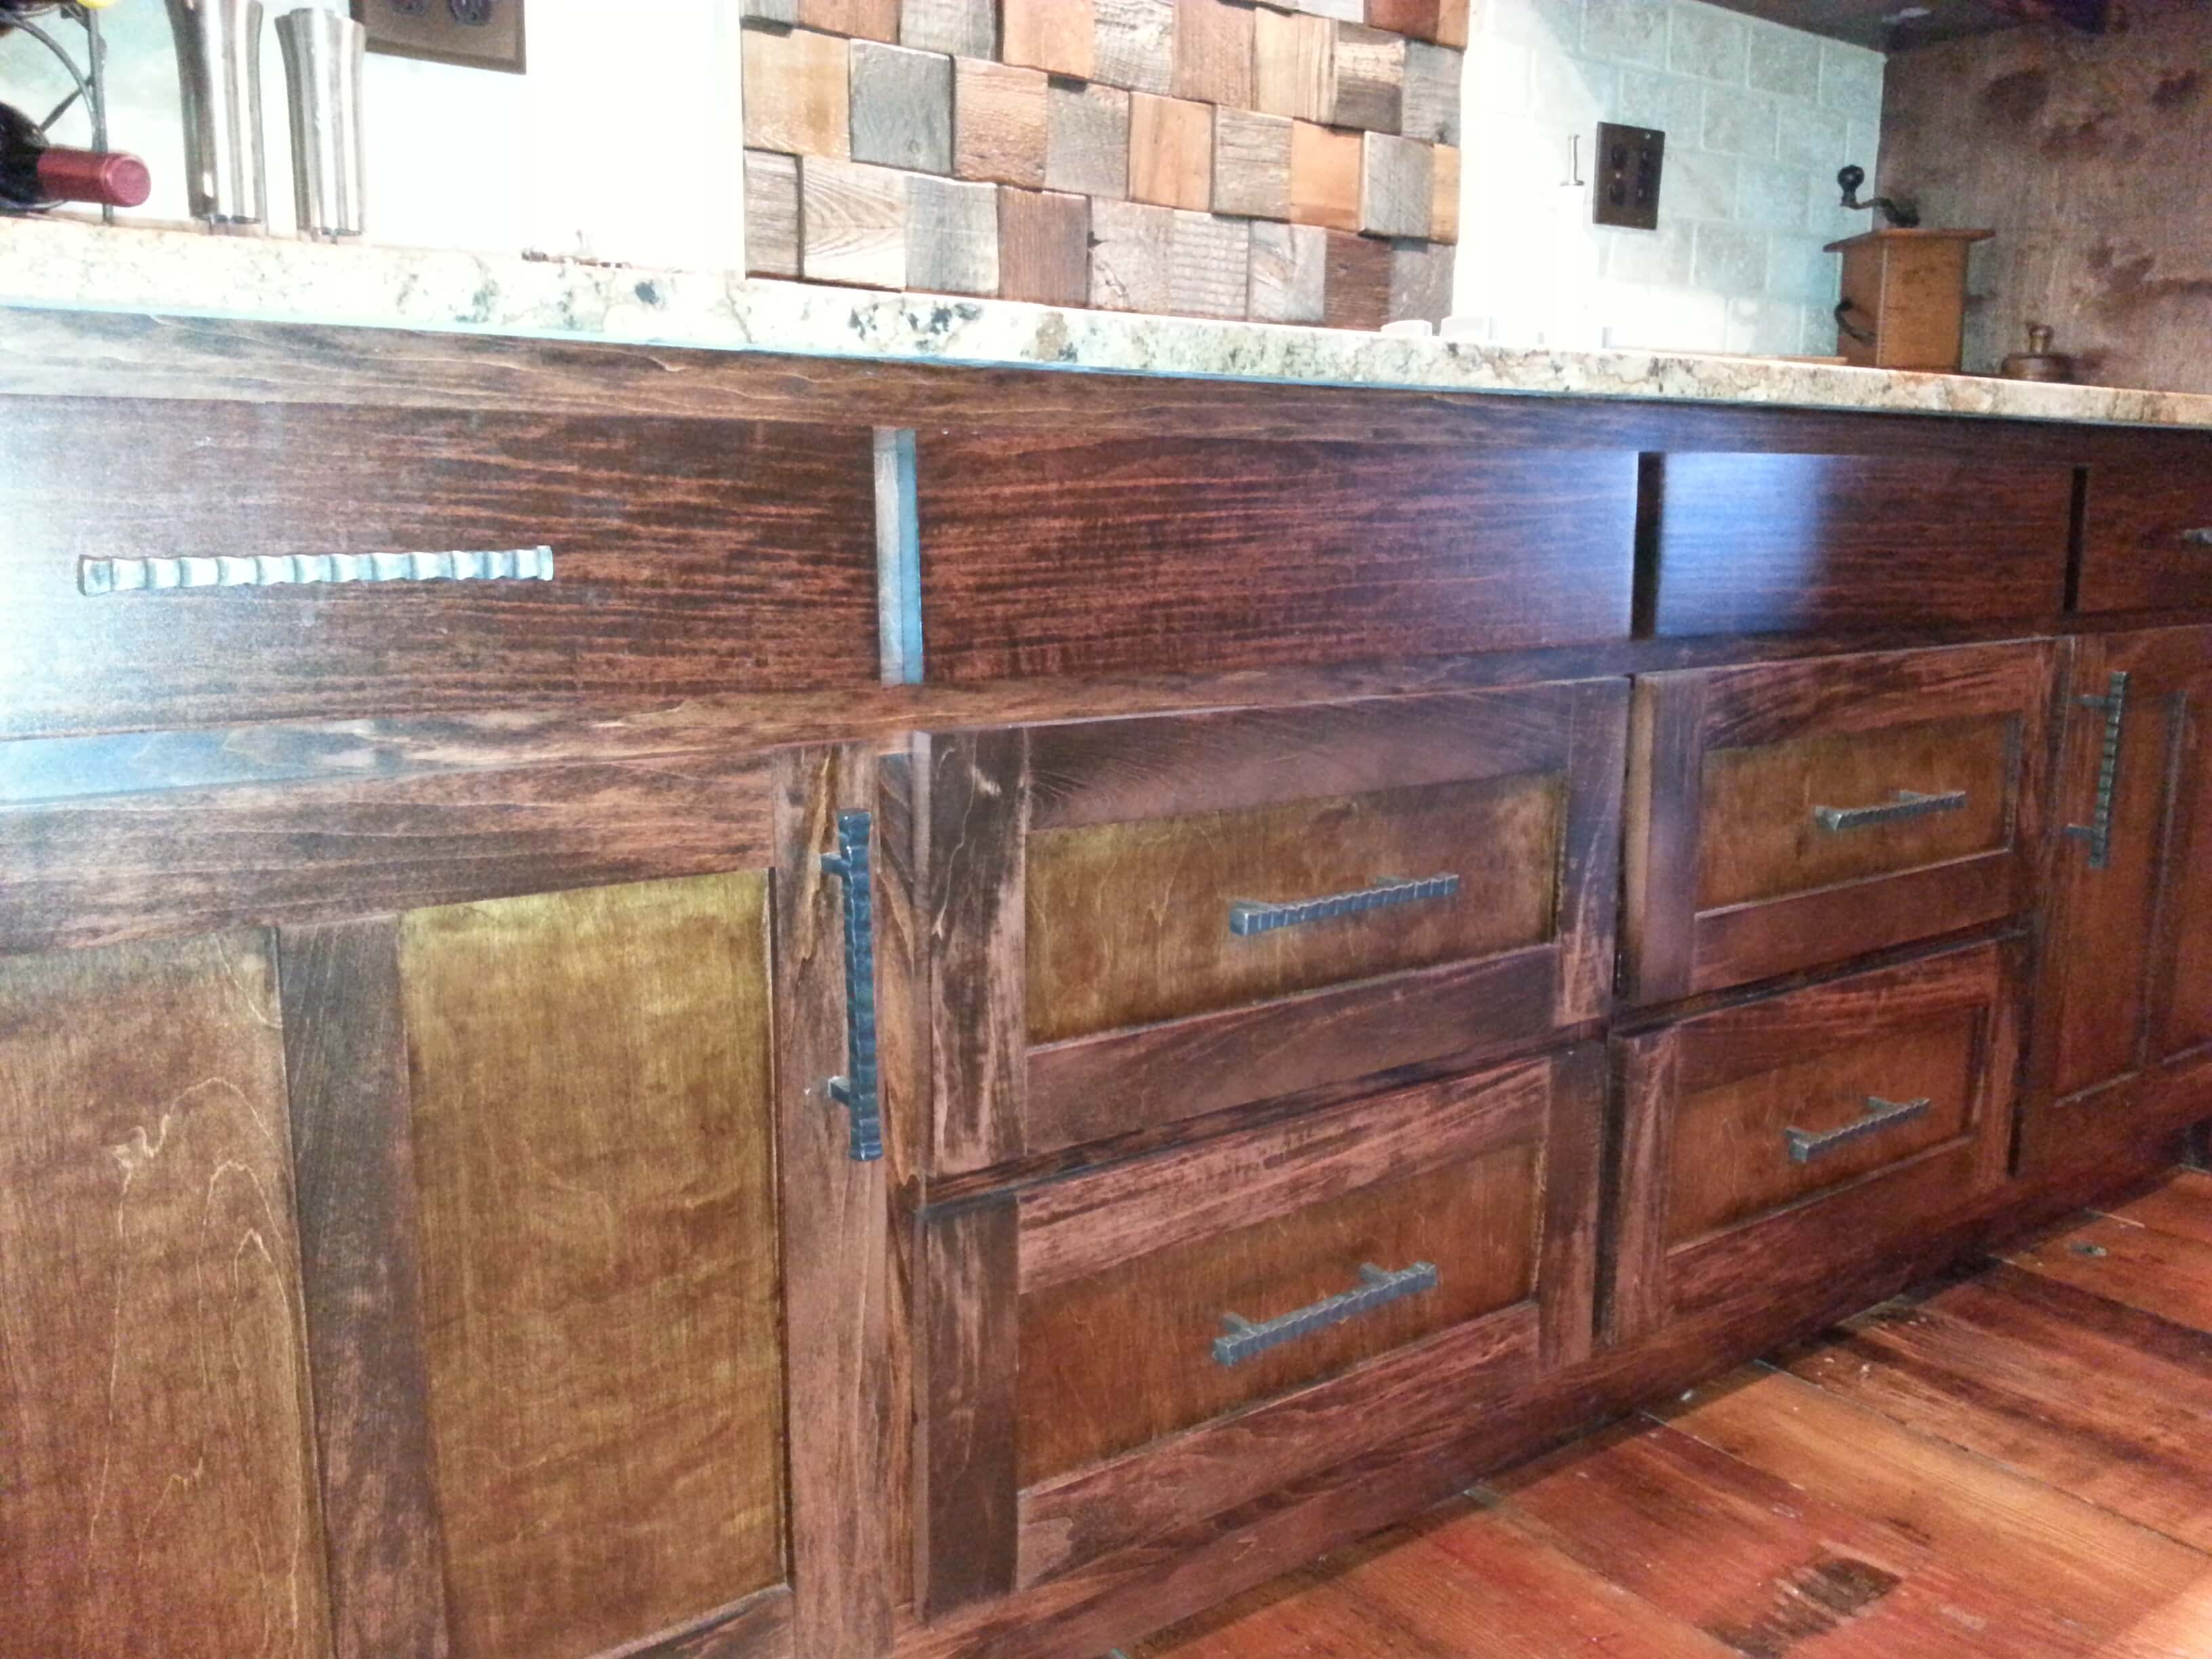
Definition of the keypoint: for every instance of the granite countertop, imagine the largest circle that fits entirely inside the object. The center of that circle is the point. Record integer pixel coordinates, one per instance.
(75, 265)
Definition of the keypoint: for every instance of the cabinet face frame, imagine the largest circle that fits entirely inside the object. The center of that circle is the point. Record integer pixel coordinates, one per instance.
(2111, 1066)
(996, 1097)
(981, 1534)
(1673, 948)
(1788, 1250)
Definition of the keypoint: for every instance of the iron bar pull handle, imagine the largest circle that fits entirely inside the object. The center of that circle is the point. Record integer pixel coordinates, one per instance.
(1908, 803)
(2098, 832)
(1243, 1340)
(1805, 1146)
(96, 577)
(2199, 536)
(1249, 916)
(856, 1090)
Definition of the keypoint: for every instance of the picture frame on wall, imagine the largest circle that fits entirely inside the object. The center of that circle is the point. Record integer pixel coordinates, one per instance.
(486, 34)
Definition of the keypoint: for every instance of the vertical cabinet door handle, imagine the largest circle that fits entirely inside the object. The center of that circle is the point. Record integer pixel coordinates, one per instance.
(856, 1090)
(2098, 832)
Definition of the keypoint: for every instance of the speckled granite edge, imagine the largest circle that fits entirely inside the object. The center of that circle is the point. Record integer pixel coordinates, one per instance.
(59, 264)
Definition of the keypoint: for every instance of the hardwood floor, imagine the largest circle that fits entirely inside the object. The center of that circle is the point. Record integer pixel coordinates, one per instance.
(2014, 1462)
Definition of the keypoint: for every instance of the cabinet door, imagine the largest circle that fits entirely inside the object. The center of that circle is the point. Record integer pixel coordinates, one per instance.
(546, 1145)
(156, 1483)
(2123, 1037)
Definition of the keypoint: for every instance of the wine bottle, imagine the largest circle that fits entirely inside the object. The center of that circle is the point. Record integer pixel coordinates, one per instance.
(34, 174)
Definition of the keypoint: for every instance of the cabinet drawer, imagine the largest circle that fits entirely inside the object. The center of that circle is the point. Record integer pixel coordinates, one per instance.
(1072, 554)
(1772, 1146)
(1138, 921)
(2147, 535)
(688, 557)
(1792, 814)
(1156, 1342)
(1789, 544)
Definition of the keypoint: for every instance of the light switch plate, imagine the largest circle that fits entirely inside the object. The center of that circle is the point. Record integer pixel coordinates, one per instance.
(474, 34)
(1626, 189)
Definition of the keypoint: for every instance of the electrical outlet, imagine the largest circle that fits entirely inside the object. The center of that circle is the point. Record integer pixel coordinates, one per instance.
(1626, 189)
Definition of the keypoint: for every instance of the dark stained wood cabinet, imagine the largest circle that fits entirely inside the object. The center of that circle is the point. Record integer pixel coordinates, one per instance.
(1787, 815)
(2123, 1031)
(1138, 922)
(1396, 926)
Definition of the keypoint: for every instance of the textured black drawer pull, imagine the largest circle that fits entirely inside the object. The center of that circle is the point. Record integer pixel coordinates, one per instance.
(1250, 916)
(1910, 804)
(1376, 1289)
(856, 1090)
(2098, 832)
(1805, 1146)
(99, 576)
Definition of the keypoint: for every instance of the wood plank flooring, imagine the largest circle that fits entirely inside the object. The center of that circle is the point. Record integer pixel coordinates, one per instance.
(2015, 1463)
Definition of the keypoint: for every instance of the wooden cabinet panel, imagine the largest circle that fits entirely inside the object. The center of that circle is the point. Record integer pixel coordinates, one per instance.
(2123, 1007)
(1105, 899)
(591, 1078)
(1116, 1354)
(1791, 814)
(2147, 535)
(1770, 1145)
(156, 1477)
(691, 556)
(1062, 553)
(1784, 543)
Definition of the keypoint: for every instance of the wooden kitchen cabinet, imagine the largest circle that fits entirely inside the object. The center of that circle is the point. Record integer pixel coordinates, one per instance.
(157, 1489)
(2123, 1043)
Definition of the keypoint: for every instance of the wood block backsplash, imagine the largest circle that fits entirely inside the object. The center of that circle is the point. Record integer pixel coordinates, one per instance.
(1286, 161)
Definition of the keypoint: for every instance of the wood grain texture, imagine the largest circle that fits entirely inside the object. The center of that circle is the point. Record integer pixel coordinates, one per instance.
(902, 102)
(798, 101)
(1290, 273)
(2158, 1273)
(1044, 247)
(834, 1217)
(1421, 281)
(951, 235)
(587, 1269)
(771, 214)
(1429, 109)
(1752, 544)
(1395, 186)
(1325, 169)
(1133, 45)
(855, 224)
(1371, 78)
(1251, 167)
(965, 1461)
(873, 20)
(1087, 140)
(1052, 35)
(158, 1460)
(758, 1628)
(345, 1062)
(680, 548)
(1213, 52)
(998, 124)
(1129, 258)
(1209, 265)
(1359, 277)
(1238, 554)
(1171, 152)
(95, 870)
(2136, 554)
(2181, 1206)
(1443, 197)
(959, 28)
(1293, 65)
(971, 907)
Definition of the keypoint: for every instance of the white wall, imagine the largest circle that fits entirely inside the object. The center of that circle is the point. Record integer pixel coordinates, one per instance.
(1757, 119)
(623, 141)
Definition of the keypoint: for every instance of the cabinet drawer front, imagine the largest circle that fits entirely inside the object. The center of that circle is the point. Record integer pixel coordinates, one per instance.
(1144, 921)
(1110, 1356)
(1049, 553)
(2147, 535)
(1792, 814)
(1758, 1139)
(688, 557)
(1784, 543)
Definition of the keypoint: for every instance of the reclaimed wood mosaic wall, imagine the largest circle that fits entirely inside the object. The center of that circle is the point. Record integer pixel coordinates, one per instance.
(1291, 161)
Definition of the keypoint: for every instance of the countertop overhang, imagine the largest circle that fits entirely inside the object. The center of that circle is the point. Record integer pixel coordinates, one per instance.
(70, 265)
